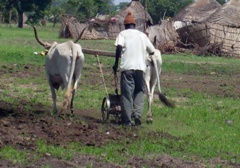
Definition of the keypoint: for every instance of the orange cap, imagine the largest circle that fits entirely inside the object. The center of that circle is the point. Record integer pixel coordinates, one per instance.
(129, 19)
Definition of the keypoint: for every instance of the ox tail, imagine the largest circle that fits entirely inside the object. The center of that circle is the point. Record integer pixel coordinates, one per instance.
(164, 99)
(161, 96)
(68, 94)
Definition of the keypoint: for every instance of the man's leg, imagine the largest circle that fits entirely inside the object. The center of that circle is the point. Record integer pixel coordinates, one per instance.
(138, 100)
(127, 89)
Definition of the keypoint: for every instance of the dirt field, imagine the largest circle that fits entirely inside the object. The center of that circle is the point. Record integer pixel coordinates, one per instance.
(20, 127)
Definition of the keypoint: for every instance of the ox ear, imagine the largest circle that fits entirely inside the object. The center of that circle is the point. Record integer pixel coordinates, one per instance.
(80, 35)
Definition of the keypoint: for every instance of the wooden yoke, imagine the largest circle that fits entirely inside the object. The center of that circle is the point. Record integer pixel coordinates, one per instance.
(98, 52)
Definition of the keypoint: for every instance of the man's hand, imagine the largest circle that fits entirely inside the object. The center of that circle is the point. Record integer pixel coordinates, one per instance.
(115, 67)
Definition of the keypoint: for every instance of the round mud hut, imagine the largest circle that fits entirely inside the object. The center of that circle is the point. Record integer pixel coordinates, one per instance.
(142, 17)
(224, 28)
(106, 27)
(193, 29)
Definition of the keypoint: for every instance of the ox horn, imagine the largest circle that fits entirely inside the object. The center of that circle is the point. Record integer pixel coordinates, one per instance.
(44, 44)
(80, 36)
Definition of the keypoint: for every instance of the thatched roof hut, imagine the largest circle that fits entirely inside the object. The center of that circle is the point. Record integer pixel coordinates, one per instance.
(224, 27)
(71, 28)
(96, 28)
(196, 31)
(218, 33)
(227, 15)
(142, 17)
(163, 36)
(198, 11)
(106, 28)
(111, 27)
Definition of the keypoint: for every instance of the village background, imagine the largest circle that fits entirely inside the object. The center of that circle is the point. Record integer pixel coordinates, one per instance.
(207, 27)
(199, 42)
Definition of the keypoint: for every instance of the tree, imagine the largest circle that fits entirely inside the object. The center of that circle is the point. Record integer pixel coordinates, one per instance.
(122, 5)
(221, 1)
(54, 14)
(160, 9)
(35, 6)
(2, 9)
(104, 6)
(87, 9)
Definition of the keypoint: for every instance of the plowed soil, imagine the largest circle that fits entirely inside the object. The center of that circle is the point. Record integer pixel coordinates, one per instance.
(21, 127)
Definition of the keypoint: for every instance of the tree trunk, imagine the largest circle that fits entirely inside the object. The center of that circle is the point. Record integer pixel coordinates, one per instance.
(9, 16)
(1, 17)
(54, 21)
(20, 19)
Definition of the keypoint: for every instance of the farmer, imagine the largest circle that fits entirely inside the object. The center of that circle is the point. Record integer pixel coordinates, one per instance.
(133, 47)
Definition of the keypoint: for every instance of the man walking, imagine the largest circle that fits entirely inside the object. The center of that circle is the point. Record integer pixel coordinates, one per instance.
(133, 47)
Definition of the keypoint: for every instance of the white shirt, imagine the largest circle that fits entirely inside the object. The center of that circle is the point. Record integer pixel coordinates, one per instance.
(136, 46)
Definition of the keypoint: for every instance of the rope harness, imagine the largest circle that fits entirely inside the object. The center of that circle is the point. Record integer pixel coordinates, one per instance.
(103, 79)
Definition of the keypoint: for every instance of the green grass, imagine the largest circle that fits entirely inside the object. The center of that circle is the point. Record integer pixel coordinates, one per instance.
(197, 127)
(200, 65)
(14, 155)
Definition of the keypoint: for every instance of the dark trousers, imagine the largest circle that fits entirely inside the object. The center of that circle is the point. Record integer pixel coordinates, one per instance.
(132, 94)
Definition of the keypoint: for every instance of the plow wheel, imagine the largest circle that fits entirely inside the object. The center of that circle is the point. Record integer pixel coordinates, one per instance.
(104, 110)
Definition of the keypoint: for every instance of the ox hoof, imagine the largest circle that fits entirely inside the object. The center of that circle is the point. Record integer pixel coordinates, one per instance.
(149, 121)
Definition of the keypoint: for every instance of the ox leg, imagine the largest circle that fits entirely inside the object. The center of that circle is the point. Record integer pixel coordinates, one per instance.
(65, 104)
(149, 96)
(68, 95)
(71, 104)
(150, 100)
(76, 78)
(54, 99)
(149, 114)
(151, 87)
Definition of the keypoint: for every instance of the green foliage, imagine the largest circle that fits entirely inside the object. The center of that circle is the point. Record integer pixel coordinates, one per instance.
(122, 5)
(13, 154)
(87, 9)
(27, 6)
(161, 9)
(221, 1)
(58, 152)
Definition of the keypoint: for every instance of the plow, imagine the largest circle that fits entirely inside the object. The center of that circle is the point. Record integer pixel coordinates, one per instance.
(111, 103)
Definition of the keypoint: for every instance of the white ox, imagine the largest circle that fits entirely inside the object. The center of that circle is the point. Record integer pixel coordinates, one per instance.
(152, 77)
(180, 24)
(64, 63)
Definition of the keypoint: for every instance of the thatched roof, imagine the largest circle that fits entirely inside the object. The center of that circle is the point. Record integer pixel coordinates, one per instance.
(228, 15)
(138, 11)
(197, 11)
(71, 28)
(96, 28)
(163, 36)
(106, 28)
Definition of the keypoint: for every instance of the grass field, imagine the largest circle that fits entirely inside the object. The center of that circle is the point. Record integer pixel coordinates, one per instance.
(203, 128)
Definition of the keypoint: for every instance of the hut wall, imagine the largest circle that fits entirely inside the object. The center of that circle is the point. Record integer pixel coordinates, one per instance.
(114, 29)
(228, 36)
(196, 33)
(164, 33)
(104, 30)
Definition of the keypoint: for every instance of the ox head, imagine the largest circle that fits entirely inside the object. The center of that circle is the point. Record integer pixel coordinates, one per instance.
(48, 45)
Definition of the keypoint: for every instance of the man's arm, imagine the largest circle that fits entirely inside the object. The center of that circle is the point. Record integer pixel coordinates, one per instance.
(117, 56)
